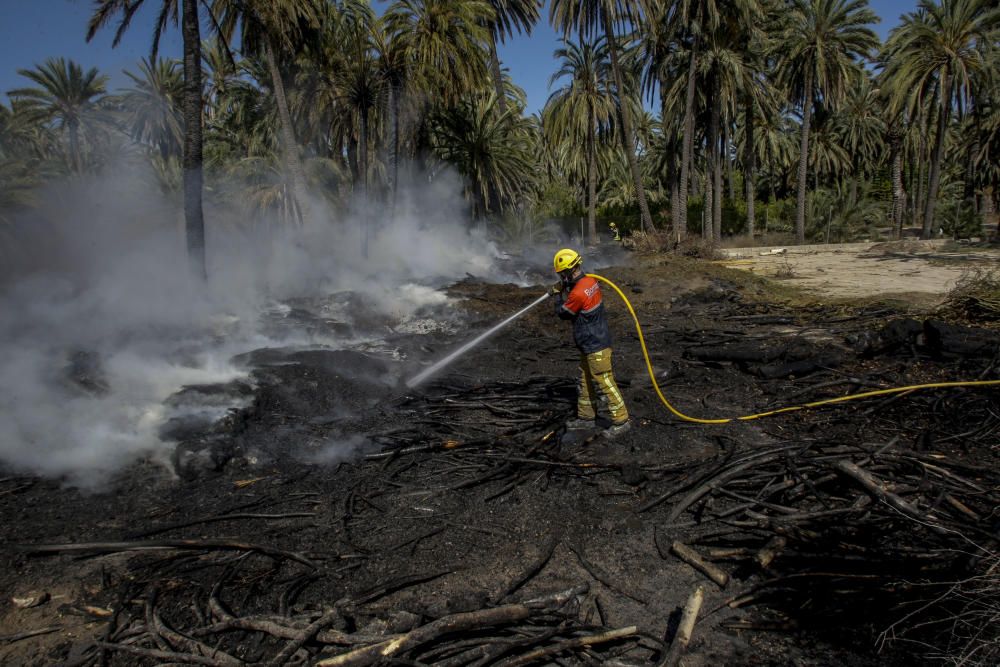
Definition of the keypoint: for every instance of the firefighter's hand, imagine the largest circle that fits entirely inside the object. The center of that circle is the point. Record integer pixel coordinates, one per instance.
(556, 289)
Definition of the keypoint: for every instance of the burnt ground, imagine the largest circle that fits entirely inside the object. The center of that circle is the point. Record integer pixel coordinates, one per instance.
(340, 508)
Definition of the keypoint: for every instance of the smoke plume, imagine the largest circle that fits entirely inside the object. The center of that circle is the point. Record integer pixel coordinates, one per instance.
(101, 321)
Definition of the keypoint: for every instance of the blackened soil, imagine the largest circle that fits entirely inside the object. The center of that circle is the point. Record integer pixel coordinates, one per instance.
(441, 500)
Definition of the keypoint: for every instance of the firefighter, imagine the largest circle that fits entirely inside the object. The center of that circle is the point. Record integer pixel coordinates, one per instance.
(616, 235)
(578, 299)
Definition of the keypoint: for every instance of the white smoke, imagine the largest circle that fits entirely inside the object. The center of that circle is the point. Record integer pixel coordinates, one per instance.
(100, 320)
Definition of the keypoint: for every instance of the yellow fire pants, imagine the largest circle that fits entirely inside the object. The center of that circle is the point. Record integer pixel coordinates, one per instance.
(596, 367)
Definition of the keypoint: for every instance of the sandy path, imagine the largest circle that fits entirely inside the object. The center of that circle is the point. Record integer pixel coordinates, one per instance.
(850, 270)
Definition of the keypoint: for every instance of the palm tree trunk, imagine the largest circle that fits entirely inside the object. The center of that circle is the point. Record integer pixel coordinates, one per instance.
(898, 192)
(73, 127)
(855, 178)
(289, 146)
(921, 180)
(727, 155)
(351, 153)
(363, 153)
(194, 222)
(969, 193)
(935, 182)
(646, 221)
(748, 168)
(770, 183)
(922, 158)
(800, 197)
(363, 168)
(497, 75)
(395, 91)
(717, 201)
(673, 184)
(706, 215)
(688, 140)
(714, 170)
(591, 178)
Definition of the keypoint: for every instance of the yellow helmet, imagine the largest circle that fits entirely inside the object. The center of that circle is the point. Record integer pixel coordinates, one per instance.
(613, 226)
(566, 259)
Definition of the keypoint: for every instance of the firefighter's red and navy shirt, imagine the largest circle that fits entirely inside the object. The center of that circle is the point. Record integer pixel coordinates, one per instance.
(582, 304)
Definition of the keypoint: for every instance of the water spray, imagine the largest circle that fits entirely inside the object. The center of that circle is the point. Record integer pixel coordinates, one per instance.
(435, 368)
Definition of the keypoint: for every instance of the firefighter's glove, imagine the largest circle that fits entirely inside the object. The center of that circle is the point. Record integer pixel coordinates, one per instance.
(556, 289)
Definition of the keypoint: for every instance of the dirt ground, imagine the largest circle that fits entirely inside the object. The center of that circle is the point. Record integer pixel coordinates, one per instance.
(923, 270)
(345, 506)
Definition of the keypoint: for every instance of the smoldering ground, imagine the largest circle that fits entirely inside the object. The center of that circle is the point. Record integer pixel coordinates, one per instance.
(103, 324)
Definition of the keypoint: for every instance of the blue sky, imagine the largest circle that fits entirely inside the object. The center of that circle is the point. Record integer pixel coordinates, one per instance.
(33, 30)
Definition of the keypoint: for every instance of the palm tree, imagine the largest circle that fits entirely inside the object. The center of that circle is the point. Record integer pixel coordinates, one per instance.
(359, 87)
(445, 42)
(760, 95)
(152, 106)
(509, 16)
(23, 136)
(495, 152)
(934, 52)
(588, 17)
(360, 82)
(272, 28)
(105, 11)
(828, 156)
(67, 96)
(444, 47)
(18, 180)
(223, 71)
(581, 109)
(662, 59)
(772, 145)
(689, 21)
(730, 80)
(860, 128)
(822, 45)
(393, 67)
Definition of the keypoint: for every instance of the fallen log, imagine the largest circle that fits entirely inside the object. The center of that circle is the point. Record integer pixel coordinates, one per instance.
(770, 551)
(877, 488)
(694, 559)
(685, 630)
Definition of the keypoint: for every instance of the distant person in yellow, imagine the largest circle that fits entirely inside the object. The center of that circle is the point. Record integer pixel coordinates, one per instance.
(615, 234)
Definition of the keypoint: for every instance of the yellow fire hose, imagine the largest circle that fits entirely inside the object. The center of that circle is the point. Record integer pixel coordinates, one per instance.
(793, 408)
